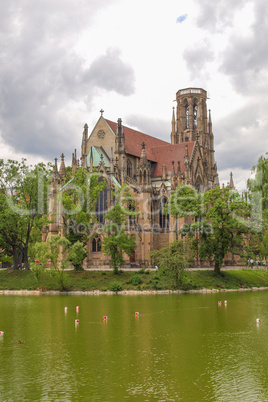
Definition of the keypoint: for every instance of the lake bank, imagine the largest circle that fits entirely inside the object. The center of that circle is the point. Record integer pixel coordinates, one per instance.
(128, 282)
(25, 292)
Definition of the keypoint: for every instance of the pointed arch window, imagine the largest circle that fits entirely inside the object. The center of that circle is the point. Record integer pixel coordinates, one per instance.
(129, 168)
(187, 116)
(195, 116)
(101, 204)
(96, 245)
(163, 215)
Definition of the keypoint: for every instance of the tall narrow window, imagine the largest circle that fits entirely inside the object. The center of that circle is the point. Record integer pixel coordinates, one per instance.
(101, 204)
(163, 215)
(195, 116)
(187, 115)
(129, 168)
(131, 217)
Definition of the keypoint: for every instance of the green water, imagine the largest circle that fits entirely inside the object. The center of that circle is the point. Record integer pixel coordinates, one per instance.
(181, 347)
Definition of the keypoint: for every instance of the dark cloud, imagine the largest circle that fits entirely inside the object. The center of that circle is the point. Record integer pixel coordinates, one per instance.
(41, 76)
(240, 138)
(245, 59)
(111, 73)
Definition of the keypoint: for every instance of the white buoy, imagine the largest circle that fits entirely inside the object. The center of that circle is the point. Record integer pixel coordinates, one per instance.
(258, 320)
(65, 309)
(1, 333)
(76, 322)
(225, 302)
(77, 309)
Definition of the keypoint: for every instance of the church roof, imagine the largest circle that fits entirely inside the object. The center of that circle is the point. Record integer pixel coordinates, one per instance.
(159, 151)
(164, 155)
(134, 139)
(98, 154)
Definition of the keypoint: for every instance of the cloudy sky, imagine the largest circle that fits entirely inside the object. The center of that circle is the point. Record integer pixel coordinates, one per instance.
(61, 61)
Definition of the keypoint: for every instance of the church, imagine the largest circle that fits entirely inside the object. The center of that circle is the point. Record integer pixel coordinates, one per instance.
(152, 168)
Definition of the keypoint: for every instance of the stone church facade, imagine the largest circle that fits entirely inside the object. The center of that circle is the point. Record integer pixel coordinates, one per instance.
(152, 169)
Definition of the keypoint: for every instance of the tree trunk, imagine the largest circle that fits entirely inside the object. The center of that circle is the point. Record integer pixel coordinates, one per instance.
(217, 270)
(15, 258)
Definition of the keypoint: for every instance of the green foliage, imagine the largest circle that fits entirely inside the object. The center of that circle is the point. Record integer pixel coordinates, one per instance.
(227, 214)
(257, 197)
(76, 254)
(173, 260)
(116, 240)
(79, 196)
(116, 286)
(136, 279)
(23, 207)
(49, 252)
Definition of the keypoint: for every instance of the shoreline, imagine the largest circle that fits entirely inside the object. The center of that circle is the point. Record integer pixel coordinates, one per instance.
(25, 292)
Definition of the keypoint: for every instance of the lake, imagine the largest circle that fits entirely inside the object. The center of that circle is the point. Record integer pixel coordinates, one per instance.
(180, 347)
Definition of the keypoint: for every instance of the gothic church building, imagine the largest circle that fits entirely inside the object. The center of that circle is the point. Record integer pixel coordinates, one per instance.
(151, 167)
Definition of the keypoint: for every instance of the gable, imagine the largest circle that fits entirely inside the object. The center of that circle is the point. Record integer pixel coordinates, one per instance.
(101, 136)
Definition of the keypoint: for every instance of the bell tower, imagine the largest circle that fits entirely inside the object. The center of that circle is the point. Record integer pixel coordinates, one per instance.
(191, 115)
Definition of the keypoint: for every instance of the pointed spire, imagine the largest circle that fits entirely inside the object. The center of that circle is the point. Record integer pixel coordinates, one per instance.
(231, 185)
(143, 157)
(173, 128)
(55, 169)
(209, 122)
(179, 167)
(55, 174)
(173, 169)
(62, 171)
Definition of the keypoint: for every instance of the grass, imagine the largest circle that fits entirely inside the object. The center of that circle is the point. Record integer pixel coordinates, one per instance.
(105, 280)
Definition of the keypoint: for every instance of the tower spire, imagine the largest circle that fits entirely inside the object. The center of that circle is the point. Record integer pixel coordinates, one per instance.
(62, 171)
(173, 128)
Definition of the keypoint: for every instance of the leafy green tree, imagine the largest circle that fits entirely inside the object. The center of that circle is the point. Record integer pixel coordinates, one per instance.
(228, 216)
(116, 239)
(173, 260)
(76, 255)
(187, 202)
(52, 253)
(257, 197)
(23, 206)
(79, 196)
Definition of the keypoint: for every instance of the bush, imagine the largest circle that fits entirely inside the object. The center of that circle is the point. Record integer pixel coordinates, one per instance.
(116, 286)
(136, 279)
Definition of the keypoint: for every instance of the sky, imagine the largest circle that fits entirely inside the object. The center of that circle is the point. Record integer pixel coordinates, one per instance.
(61, 61)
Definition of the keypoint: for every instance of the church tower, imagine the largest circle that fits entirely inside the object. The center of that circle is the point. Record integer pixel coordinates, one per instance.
(191, 115)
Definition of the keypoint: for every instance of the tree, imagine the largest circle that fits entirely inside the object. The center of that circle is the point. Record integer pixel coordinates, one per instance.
(76, 255)
(116, 240)
(23, 206)
(257, 197)
(173, 260)
(79, 197)
(228, 215)
(187, 202)
(53, 252)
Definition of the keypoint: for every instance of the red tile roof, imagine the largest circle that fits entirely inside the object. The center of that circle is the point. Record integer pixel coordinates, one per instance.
(157, 150)
(134, 139)
(172, 152)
